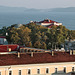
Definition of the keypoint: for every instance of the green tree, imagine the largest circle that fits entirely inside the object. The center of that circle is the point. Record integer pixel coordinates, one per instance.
(37, 44)
(43, 45)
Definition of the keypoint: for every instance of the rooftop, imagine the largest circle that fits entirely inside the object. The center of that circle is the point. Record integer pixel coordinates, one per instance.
(47, 21)
(38, 58)
(4, 48)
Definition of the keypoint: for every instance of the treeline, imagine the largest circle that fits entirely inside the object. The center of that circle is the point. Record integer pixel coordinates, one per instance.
(32, 35)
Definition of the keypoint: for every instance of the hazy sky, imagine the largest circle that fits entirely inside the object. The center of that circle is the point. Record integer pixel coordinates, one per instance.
(38, 3)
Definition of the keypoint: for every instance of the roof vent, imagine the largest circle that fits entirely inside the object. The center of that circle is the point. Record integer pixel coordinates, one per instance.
(73, 52)
(52, 53)
(70, 52)
(31, 54)
(18, 54)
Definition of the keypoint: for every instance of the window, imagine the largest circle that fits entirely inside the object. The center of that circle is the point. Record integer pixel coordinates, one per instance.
(64, 70)
(0, 73)
(10, 72)
(55, 70)
(72, 69)
(38, 71)
(29, 71)
(19, 72)
(47, 70)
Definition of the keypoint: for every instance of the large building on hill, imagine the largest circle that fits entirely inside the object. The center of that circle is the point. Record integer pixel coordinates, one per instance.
(37, 63)
(48, 23)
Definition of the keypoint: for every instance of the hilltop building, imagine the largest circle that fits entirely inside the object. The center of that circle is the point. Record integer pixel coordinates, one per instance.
(36, 62)
(48, 23)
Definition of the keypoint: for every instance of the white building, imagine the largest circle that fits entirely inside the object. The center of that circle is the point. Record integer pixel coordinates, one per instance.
(48, 22)
(3, 40)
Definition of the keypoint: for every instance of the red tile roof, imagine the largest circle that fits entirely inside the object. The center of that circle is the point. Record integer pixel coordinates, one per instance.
(50, 26)
(47, 21)
(3, 48)
(12, 59)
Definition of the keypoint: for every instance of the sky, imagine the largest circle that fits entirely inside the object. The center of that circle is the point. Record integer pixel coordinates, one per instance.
(38, 4)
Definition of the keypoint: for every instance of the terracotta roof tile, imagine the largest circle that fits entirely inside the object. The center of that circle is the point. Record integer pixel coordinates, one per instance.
(47, 21)
(12, 59)
(3, 48)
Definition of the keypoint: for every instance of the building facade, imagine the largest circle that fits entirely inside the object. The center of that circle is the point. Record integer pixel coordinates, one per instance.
(48, 23)
(38, 63)
(39, 69)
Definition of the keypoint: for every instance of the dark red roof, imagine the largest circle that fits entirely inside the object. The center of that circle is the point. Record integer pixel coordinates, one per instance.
(52, 21)
(3, 48)
(12, 59)
(50, 26)
(47, 21)
(2, 37)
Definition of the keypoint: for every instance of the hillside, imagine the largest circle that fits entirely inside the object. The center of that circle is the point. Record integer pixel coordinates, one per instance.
(29, 10)
(18, 9)
(69, 9)
(11, 9)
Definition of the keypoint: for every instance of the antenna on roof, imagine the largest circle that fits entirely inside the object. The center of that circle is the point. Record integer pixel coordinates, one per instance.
(70, 52)
(18, 54)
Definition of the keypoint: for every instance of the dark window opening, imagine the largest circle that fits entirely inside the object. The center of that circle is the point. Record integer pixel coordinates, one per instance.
(29, 71)
(10, 72)
(64, 69)
(0, 73)
(19, 72)
(55, 70)
(47, 70)
(72, 69)
(38, 71)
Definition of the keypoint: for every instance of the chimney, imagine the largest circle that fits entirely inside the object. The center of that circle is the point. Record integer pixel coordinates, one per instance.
(18, 54)
(70, 52)
(73, 52)
(31, 54)
(52, 53)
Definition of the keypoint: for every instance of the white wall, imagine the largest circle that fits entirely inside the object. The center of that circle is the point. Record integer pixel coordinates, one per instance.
(3, 41)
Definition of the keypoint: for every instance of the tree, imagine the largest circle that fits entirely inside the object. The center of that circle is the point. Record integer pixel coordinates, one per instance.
(19, 35)
(43, 45)
(37, 44)
(28, 44)
(3, 31)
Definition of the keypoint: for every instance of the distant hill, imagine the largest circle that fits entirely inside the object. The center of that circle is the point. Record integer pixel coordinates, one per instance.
(69, 9)
(11, 9)
(27, 10)
(18, 9)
